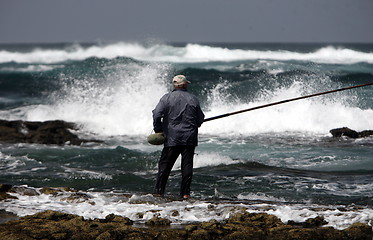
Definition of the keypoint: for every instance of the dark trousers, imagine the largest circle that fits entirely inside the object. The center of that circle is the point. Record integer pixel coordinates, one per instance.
(167, 161)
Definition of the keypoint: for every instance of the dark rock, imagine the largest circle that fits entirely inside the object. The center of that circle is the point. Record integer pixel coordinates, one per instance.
(6, 216)
(57, 225)
(118, 219)
(310, 223)
(5, 187)
(78, 198)
(25, 191)
(48, 132)
(315, 222)
(157, 221)
(345, 131)
(359, 231)
(5, 196)
(56, 190)
(191, 227)
(211, 225)
(366, 133)
(255, 220)
(175, 213)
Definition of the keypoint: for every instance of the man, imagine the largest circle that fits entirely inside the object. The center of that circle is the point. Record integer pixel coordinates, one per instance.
(178, 115)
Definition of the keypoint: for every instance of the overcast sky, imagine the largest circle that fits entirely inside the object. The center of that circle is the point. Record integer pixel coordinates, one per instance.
(40, 21)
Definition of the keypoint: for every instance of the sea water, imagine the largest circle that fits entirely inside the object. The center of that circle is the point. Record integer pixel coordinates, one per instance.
(280, 160)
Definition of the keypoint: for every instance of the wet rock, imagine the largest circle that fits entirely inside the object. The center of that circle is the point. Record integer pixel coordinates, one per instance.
(118, 219)
(211, 207)
(315, 222)
(211, 225)
(359, 231)
(168, 234)
(48, 132)
(24, 190)
(247, 233)
(345, 131)
(140, 215)
(310, 223)
(5, 196)
(6, 216)
(175, 213)
(157, 221)
(5, 187)
(191, 227)
(366, 133)
(78, 198)
(57, 225)
(255, 220)
(56, 190)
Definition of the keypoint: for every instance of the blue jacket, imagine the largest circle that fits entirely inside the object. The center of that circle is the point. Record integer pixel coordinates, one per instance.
(178, 115)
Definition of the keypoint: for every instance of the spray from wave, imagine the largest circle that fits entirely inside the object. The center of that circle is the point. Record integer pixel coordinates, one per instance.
(112, 95)
(313, 115)
(122, 103)
(119, 103)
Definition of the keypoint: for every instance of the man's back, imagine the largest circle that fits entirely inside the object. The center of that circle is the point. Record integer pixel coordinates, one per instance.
(182, 115)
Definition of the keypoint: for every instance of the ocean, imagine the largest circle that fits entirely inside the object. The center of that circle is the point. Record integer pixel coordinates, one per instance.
(280, 160)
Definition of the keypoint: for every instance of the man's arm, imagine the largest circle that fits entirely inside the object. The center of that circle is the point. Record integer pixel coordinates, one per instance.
(200, 115)
(158, 114)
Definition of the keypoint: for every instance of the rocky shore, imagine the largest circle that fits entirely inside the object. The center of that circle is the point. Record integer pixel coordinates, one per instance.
(345, 131)
(240, 225)
(244, 225)
(49, 132)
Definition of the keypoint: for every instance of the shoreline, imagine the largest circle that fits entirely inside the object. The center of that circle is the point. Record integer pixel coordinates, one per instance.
(242, 225)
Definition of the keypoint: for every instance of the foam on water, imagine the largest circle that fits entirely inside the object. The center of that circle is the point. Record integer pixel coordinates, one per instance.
(143, 207)
(31, 68)
(11, 165)
(74, 52)
(207, 159)
(84, 174)
(330, 54)
(188, 53)
(259, 196)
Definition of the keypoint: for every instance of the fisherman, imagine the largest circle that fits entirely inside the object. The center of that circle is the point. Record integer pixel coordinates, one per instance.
(178, 115)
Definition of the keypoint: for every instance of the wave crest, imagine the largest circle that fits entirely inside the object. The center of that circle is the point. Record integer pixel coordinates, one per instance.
(184, 54)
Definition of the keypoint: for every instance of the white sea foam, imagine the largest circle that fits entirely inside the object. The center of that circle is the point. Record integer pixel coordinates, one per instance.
(75, 52)
(143, 207)
(31, 68)
(335, 218)
(189, 53)
(207, 159)
(75, 173)
(11, 165)
(259, 196)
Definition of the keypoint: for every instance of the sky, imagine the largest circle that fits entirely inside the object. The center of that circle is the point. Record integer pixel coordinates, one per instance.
(279, 21)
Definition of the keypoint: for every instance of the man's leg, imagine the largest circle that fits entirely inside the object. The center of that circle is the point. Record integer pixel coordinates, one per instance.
(165, 164)
(187, 156)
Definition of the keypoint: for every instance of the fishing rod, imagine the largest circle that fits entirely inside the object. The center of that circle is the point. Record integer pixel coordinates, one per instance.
(285, 101)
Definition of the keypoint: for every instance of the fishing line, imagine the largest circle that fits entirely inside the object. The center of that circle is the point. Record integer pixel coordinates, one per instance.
(285, 101)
